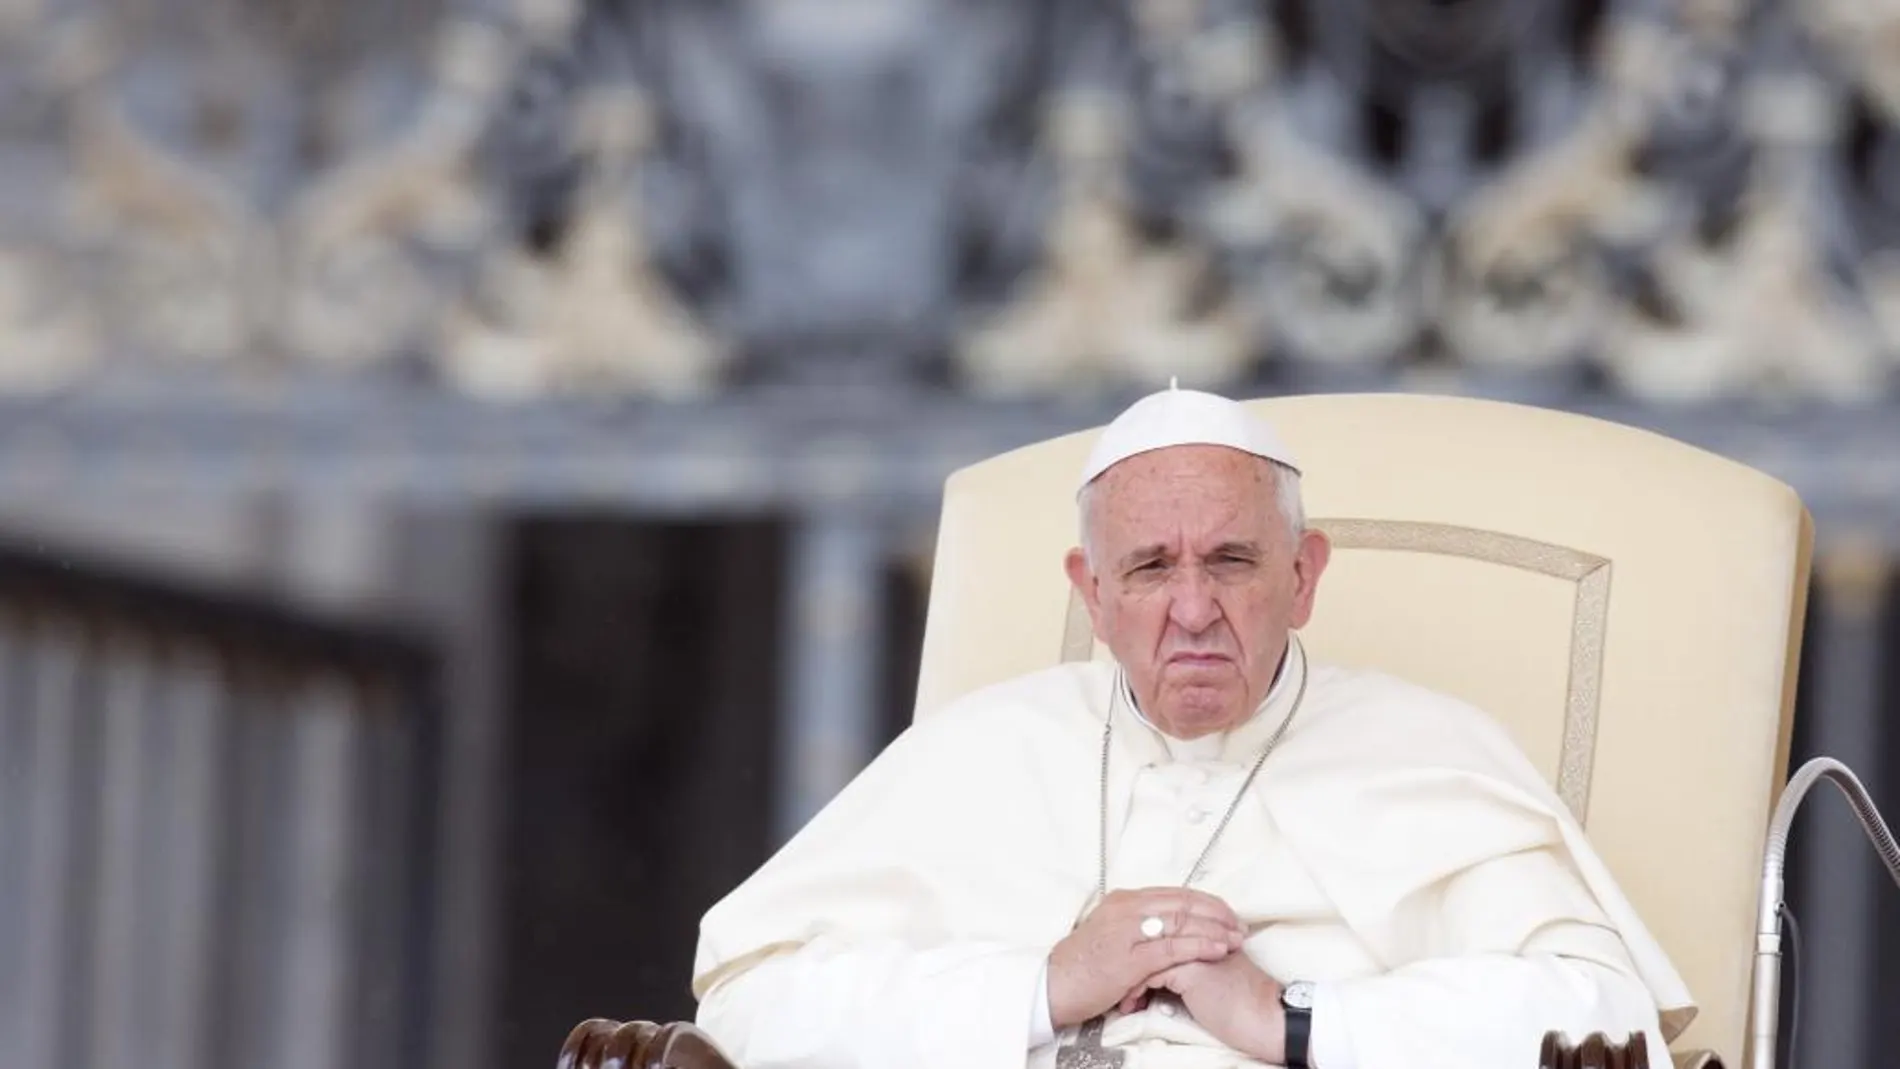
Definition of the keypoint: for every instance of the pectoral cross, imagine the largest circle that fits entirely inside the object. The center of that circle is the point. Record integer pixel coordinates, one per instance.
(1087, 1051)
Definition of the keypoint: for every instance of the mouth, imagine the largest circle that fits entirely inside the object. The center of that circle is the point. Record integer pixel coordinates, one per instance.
(1200, 660)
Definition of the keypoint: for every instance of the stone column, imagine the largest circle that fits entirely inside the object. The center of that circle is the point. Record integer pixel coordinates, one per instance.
(53, 837)
(16, 770)
(829, 716)
(445, 566)
(120, 940)
(189, 815)
(315, 1016)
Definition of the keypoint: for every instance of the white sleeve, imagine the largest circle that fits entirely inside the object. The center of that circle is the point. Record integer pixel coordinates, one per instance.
(828, 1006)
(1482, 1012)
(1042, 1025)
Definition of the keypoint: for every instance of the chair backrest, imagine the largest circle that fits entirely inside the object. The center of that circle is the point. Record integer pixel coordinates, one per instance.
(1628, 606)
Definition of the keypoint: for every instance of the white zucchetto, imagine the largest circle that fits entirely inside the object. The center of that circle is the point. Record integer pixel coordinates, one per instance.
(1183, 417)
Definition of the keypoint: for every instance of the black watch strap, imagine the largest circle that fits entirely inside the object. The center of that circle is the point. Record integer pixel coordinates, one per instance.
(1299, 1031)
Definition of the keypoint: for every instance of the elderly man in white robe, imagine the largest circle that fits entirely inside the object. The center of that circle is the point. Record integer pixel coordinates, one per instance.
(1208, 854)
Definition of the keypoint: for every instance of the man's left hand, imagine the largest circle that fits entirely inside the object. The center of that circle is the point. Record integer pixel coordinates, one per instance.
(1232, 998)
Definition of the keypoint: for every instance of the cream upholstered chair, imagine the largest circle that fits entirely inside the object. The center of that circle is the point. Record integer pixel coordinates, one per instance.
(1628, 606)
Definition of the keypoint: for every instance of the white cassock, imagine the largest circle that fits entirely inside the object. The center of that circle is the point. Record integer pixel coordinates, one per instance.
(1397, 849)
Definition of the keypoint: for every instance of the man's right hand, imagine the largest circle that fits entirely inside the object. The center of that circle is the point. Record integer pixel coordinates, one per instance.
(1107, 955)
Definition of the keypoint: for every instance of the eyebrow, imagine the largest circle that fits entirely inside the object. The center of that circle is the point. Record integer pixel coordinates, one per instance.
(1140, 556)
(1157, 550)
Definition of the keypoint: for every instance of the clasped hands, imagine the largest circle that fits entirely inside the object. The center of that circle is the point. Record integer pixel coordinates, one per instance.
(1108, 962)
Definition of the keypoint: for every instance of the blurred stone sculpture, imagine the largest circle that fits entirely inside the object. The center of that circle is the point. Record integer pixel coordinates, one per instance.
(1697, 200)
(1369, 134)
(592, 313)
(208, 255)
(1740, 299)
(357, 241)
(1526, 281)
(349, 257)
(1104, 309)
(1337, 284)
(48, 336)
(1755, 314)
(1319, 253)
(1522, 286)
(1862, 39)
(183, 257)
(47, 340)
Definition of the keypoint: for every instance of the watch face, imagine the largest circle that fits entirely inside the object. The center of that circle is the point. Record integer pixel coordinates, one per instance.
(1298, 995)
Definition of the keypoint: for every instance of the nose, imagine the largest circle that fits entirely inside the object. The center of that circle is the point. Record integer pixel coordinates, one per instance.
(1192, 605)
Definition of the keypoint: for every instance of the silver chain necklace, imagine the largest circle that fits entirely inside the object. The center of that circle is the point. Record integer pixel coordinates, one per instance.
(1108, 729)
(1087, 1051)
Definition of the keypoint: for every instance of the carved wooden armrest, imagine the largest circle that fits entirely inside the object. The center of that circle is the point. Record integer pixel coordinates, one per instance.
(1596, 1051)
(603, 1044)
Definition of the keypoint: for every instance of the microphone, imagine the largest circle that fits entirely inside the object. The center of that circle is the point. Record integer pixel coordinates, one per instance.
(1765, 1011)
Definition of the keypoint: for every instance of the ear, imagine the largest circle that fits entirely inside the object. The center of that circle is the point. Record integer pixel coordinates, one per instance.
(1309, 562)
(1082, 578)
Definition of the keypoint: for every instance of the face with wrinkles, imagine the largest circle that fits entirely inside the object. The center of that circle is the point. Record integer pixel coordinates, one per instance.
(1194, 579)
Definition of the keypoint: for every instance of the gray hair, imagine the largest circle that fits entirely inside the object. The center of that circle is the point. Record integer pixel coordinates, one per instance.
(1286, 486)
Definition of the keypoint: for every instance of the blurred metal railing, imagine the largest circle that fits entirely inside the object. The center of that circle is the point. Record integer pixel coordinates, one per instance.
(213, 842)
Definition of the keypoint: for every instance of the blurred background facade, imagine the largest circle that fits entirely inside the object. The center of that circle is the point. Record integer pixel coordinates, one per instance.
(468, 467)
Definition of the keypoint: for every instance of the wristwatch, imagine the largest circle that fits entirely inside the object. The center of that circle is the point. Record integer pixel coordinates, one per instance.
(1297, 999)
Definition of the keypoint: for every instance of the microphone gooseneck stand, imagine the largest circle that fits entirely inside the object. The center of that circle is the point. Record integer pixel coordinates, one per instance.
(1766, 1008)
